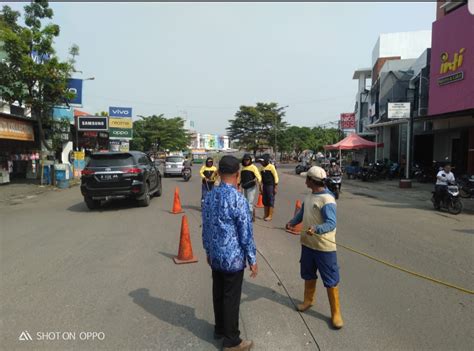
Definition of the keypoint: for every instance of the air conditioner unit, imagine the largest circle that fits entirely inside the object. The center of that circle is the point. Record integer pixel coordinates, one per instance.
(450, 5)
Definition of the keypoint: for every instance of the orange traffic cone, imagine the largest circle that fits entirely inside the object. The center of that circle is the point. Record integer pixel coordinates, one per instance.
(296, 230)
(259, 202)
(185, 251)
(176, 203)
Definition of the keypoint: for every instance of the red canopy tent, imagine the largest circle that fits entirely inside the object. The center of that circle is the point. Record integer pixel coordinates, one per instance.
(352, 142)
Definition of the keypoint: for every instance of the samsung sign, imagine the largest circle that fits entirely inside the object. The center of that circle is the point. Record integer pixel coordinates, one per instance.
(120, 111)
(90, 123)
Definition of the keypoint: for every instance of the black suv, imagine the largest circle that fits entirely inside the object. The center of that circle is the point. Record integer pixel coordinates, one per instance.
(118, 175)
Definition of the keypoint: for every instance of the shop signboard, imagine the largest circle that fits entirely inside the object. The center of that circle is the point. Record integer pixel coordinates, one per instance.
(348, 121)
(120, 112)
(124, 123)
(452, 63)
(398, 110)
(16, 130)
(92, 123)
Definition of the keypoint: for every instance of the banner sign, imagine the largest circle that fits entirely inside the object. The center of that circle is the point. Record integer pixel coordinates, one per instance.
(16, 130)
(126, 123)
(60, 113)
(120, 111)
(91, 123)
(348, 121)
(75, 86)
(120, 133)
(398, 110)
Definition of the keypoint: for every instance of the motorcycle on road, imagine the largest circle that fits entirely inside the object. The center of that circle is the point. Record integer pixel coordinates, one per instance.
(450, 201)
(186, 173)
(333, 183)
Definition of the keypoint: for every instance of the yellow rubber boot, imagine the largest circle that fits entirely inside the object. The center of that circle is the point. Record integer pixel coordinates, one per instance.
(309, 295)
(336, 318)
(270, 214)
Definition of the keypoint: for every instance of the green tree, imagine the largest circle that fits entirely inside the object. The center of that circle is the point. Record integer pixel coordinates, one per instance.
(255, 127)
(37, 84)
(160, 132)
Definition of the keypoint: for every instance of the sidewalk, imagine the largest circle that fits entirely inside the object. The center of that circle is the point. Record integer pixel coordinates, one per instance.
(418, 195)
(13, 193)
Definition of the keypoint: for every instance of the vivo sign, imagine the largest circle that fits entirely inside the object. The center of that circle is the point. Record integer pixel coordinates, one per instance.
(120, 112)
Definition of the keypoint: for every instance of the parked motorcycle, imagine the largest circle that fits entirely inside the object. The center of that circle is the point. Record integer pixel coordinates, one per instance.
(333, 183)
(302, 168)
(186, 173)
(466, 186)
(450, 200)
(394, 171)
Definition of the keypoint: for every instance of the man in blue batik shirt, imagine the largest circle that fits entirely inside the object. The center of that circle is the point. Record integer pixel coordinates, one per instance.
(227, 236)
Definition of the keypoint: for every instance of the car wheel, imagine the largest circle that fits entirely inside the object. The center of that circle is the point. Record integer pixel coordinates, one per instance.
(145, 201)
(91, 204)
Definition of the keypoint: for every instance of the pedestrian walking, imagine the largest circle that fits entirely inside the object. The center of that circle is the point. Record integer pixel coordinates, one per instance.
(269, 187)
(227, 236)
(208, 174)
(250, 181)
(318, 214)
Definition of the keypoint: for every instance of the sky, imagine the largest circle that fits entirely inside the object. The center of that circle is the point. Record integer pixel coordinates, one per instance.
(204, 60)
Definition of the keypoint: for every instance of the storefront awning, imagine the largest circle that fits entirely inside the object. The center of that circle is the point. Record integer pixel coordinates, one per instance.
(388, 123)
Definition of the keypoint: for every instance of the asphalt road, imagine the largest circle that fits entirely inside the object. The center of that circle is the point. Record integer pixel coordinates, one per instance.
(66, 271)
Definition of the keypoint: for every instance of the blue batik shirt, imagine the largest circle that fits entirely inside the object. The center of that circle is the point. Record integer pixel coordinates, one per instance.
(227, 232)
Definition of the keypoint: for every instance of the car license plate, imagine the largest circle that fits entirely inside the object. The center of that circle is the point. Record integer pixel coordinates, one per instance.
(109, 177)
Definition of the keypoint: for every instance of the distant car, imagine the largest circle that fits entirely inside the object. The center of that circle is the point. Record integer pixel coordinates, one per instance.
(174, 166)
(118, 175)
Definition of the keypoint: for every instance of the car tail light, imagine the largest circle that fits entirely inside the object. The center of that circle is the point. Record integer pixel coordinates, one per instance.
(87, 172)
(132, 170)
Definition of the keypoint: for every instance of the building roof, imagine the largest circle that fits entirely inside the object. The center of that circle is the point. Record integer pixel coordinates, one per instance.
(78, 113)
(366, 71)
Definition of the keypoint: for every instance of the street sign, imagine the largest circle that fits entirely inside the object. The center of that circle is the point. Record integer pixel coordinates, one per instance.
(398, 110)
(120, 111)
(91, 123)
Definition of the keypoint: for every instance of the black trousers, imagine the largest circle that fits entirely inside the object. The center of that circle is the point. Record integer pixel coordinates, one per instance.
(440, 193)
(226, 292)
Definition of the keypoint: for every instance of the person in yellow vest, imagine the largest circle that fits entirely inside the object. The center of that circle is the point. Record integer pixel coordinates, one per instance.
(250, 181)
(269, 187)
(318, 214)
(208, 174)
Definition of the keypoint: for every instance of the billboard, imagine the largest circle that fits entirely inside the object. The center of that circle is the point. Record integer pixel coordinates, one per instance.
(75, 86)
(348, 121)
(452, 63)
(92, 123)
(120, 111)
(60, 113)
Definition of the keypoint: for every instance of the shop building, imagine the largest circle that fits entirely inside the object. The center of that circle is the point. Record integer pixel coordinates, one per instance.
(451, 104)
(20, 149)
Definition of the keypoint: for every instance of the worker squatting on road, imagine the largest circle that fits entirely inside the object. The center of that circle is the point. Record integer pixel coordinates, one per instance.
(208, 174)
(250, 181)
(318, 214)
(269, 187)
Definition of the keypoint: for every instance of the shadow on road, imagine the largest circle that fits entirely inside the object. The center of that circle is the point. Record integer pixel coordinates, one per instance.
(255, 292)
(115, 205)
(466, 231)
(168, 255)
(174, 314)
(192, 207)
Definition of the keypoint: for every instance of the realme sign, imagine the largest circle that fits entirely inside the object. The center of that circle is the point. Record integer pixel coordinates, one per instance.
(120, 123)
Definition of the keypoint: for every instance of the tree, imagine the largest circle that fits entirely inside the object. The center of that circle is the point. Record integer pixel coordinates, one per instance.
(160, 132)
(255, 127)
(32, 75)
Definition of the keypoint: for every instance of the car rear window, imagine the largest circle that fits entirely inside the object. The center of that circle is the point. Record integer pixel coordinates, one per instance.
(174, 159)
(111, 160)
